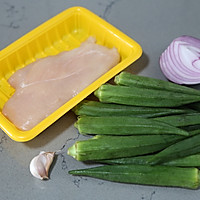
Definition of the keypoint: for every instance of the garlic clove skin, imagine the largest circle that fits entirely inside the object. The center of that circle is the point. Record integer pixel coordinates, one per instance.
(40, 164)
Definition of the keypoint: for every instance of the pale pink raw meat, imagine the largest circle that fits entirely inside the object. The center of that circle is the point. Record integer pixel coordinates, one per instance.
(45, 85)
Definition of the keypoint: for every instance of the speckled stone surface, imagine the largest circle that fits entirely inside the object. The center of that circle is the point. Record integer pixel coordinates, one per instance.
(153, 24)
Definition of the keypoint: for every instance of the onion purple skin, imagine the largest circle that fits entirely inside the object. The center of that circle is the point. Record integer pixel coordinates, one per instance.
(180, 62)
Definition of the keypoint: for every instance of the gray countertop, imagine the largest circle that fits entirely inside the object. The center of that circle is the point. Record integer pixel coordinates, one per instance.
(153, 24)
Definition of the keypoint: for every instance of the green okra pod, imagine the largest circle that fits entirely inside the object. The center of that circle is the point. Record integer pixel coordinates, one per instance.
(182, 120)
(188, 161)
(107, 147)
(143, 96)
(125, 125)
(95, 108)
(144, 174)
(180, 149)
(128, 79)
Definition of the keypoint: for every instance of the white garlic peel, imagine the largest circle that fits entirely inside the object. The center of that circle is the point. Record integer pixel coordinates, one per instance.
(40, 164)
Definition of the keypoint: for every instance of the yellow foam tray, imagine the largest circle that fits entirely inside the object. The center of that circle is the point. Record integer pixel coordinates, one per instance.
(62, 32)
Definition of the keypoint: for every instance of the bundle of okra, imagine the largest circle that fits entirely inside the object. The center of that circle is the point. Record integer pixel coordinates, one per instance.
(145, 131)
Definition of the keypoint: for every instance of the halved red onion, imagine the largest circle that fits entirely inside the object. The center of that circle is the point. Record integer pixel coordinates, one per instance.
(180, 62)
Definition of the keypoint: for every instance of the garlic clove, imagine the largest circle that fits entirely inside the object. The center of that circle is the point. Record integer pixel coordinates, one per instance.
(40, 164)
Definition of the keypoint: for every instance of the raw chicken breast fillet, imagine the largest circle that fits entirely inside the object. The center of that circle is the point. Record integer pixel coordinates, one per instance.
(45, 85)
